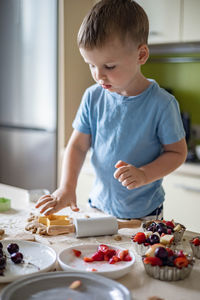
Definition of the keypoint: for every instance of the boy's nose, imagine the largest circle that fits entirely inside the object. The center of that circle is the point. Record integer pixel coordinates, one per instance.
(100, 76)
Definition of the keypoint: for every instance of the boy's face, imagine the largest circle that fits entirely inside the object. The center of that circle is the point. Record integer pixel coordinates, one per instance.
(116, 66)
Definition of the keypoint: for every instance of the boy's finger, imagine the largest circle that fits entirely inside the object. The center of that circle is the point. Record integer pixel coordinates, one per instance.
(120, 163)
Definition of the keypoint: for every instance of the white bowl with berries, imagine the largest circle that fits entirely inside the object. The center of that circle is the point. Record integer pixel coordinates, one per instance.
(142, 241)
(165, 264)
(165, 227)
(195, 245)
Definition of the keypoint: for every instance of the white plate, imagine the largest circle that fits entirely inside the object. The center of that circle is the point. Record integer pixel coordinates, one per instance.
(42, 256)
(55, 285)
(69, 262)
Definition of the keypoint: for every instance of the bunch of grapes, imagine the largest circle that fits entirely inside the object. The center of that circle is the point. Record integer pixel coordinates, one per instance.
(15, 256)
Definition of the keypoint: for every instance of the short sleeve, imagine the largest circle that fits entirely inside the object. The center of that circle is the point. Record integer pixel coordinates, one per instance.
(170, 129)
(81, 121)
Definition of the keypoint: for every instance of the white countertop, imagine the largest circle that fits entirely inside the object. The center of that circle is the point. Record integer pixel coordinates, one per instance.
(142, 286)
(189, 169)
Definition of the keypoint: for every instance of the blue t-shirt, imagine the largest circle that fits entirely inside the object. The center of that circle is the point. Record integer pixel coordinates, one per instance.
(132, 129)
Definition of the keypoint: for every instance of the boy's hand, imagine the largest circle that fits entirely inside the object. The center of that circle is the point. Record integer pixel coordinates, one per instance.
(129, 176)
(59, 199)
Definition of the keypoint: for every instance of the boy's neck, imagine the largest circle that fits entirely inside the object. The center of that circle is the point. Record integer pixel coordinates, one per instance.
(140, 84)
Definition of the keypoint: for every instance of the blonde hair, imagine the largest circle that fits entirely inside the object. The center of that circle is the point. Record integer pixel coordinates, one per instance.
(122, 18)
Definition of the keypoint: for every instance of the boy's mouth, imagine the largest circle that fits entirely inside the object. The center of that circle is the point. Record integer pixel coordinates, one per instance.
(106, 86)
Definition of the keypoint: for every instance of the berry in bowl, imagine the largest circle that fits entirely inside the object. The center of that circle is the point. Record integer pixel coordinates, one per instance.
(165, 227)
(195, 245)
(143, 240)
(163, 263)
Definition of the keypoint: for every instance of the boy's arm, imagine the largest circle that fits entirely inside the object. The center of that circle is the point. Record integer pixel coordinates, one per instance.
(172, 157)
(73, 159)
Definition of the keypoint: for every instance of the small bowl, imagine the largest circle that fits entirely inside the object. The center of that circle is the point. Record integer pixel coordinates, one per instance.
(177, 234)
(167, 273)
(195, 249)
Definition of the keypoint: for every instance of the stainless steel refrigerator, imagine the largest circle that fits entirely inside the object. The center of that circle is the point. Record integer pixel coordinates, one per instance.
(28, 93)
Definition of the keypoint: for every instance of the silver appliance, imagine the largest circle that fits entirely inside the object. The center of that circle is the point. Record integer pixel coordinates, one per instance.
(28, 93)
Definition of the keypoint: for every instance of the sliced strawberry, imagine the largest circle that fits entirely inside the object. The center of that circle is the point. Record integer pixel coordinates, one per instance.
(196, 241)
(76, 252)
(139, 237)
(98, 256)
(103, 248)
(181, 254)
(109, 254)
(127, 258)
(181, 262)
(114, 259)
(94, 270)
(122, 253)
(153, 260)
(87, 259)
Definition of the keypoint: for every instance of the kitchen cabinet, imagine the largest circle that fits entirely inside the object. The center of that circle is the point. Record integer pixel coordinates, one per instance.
(172, 21)
(191, 21)
(182, 199)
(164, 20)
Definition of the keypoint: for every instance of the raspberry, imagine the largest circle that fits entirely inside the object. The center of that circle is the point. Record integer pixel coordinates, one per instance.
(98, 256)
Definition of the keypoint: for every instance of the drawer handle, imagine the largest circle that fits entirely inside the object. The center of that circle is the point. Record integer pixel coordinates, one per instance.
(188, 188)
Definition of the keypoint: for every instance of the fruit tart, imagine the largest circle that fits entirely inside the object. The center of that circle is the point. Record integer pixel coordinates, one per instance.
(165, 227)
(143, 240)
(195, 245)
(163, 263)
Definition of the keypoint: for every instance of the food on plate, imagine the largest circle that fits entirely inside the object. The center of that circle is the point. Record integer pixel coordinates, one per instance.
(75, 284)
(165, 227)
(143, 240)
(195, 246)
(105, 253)
(163, 263)
(77, 253)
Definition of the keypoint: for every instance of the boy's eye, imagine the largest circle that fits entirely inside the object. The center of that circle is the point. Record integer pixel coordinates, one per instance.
(109, 67)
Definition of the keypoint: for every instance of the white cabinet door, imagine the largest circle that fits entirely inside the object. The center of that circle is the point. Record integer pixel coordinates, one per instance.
(191, 21)
(164, 19)
(182, 200)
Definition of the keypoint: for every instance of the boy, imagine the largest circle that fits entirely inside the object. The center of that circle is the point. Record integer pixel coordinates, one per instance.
(132, 126)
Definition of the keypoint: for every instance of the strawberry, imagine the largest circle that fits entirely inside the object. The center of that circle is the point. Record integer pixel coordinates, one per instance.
(103, 248)
(77, 253)
(98, 256)
(109, 254)
(153, 260)
(181, 262)
(122, 253)
(94, 270)
(181, 254)
(139, 237)
(114, 259)
(170, 224)
(196, 241)
(127, 258)
(87, 259)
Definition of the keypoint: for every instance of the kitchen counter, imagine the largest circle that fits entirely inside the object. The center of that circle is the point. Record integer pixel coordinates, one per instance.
(142, 286)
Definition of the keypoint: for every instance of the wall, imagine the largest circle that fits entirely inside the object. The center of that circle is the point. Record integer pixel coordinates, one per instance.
(183, 79)
(73, 74)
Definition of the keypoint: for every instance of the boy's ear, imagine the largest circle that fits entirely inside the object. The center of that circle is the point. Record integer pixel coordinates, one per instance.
(143, 54)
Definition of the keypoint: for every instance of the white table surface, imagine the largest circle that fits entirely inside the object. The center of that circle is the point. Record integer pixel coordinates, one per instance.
(142, 286)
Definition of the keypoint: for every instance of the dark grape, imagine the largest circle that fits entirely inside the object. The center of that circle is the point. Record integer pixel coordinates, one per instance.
(1, 245)
(1, 252)
(154, 239)
(170, 261)
(17, 258)
(161, 253)
(12, 248)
